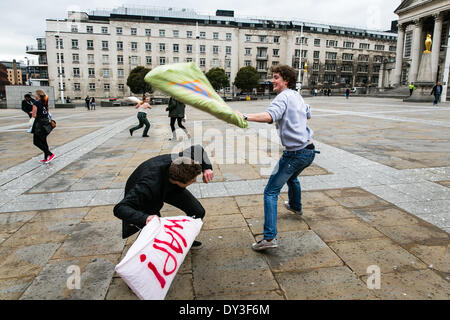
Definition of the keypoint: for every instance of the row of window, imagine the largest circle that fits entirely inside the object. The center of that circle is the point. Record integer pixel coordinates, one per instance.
(148, 32)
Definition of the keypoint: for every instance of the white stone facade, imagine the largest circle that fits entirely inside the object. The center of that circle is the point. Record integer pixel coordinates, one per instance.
(353, 59)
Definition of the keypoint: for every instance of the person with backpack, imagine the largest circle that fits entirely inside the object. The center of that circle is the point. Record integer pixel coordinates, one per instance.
(41, 126)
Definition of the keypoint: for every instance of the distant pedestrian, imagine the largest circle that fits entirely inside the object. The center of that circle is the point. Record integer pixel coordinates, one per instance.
(315, 92)
(143, 108)
(176, 113)
(41, 126)
(92, 103)
(27, 104)
(87, 101)
(347, 93)
(437, 91)
(411, 88)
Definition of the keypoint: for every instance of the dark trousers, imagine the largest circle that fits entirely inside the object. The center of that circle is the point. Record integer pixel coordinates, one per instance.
(185, 201)
(142, 117)
(172, 123)
(40, 141)
(436, 99)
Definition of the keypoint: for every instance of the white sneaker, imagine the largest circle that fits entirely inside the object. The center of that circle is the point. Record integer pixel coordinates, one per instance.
(286, 204)
(264, 244)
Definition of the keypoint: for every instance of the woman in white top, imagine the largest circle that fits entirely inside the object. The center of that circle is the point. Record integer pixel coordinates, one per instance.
(143, 108)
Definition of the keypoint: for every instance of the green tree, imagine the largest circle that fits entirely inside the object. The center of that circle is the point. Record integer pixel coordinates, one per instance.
(218, 78)
(136, 82)
(246, 79)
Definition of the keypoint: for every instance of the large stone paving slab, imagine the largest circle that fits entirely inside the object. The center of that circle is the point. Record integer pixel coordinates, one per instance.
(336, 283)
(300, 250)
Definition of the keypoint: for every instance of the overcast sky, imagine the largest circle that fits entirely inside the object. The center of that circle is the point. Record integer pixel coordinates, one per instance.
(24, 20)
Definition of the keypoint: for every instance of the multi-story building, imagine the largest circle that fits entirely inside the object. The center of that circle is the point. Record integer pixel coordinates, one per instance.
(20, 69)
(38, 71)
(95, 52)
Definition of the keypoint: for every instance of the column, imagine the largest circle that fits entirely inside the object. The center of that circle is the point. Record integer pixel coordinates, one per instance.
(435, 50)
(399, 55)
(415, 51)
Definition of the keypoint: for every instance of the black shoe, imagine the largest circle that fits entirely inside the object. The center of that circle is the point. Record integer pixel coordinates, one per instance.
(145, 136)
(131, 132)
(196, 245)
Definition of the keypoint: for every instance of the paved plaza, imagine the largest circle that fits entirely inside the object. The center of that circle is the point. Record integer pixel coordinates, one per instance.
(377, 195)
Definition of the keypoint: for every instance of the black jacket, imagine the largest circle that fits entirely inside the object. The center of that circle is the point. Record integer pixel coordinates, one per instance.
(175, 108)
(433, 91)
(147, 186)
(27, 107)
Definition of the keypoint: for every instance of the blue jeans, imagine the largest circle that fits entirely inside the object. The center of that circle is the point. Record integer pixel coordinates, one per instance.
(291, 164)
(436, 99)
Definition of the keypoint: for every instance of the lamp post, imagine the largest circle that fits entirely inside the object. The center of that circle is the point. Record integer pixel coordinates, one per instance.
(197, 45)
(28, 71)
(58, 46)
(299, 79)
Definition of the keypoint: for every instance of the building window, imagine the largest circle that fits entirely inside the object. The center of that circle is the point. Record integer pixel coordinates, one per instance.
(121, 87)
(105, 59)
(215, 35)
(134, 46)
(176, 47)
(120, 59)
(348, 44)
(297, 53)
(215, 63)
(364, 46)
(92, 86)
(74, 28)
(176, 59)
(331, 55)
(248, 51)
(363, 68)
(188, 59)
(228, 74)
(148, 32)
(176, 33)
(105, 30)
(59, 43)
(408, 41)
(105, 73)
(202, 35)
(189, 48)
(60, 57)
(215, 49)
(377, 59)
(330, 67)
(276, 52)
(106, 86)
(90, 58)
(202, 62)
(227, 63)
(347, 68)
(228, 36)
(104, 45)
(148, 46)
(301, 40)
(316, 54)
(363, 57)
(162, 61)
(89, 29)
(228, 50)
(392, 48)
(134, 60)
(133, 31)
(75, 58)
(262, 38)
(188, 34)
(162, 47)
(76, 87)
(120, 73)
(202, 48)
(74, 44)
(76, 72)
(119, 45)
(315, 66)
(248, 38)
(162, 33)
(276, 39)
(347, 56)
(119, 30)
(274, 63)
(317, 42)
(148, 60)
(332, 43)
(91, 72)
(379, 47)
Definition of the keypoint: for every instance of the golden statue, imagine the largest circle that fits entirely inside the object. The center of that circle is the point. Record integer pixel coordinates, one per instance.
(428, 43)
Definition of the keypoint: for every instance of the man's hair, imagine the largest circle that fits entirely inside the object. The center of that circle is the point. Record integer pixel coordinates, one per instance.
(288, 74)
(27, 96)
(184, 169)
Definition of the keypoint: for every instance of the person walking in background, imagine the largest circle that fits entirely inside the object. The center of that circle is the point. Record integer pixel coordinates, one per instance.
(143, 108)
(41, 126)
(347, 93)
(290, 113)
(411, 88)
(176, 113)
(436, 91)
(27, 104)
(92, 103)
(87, 101)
